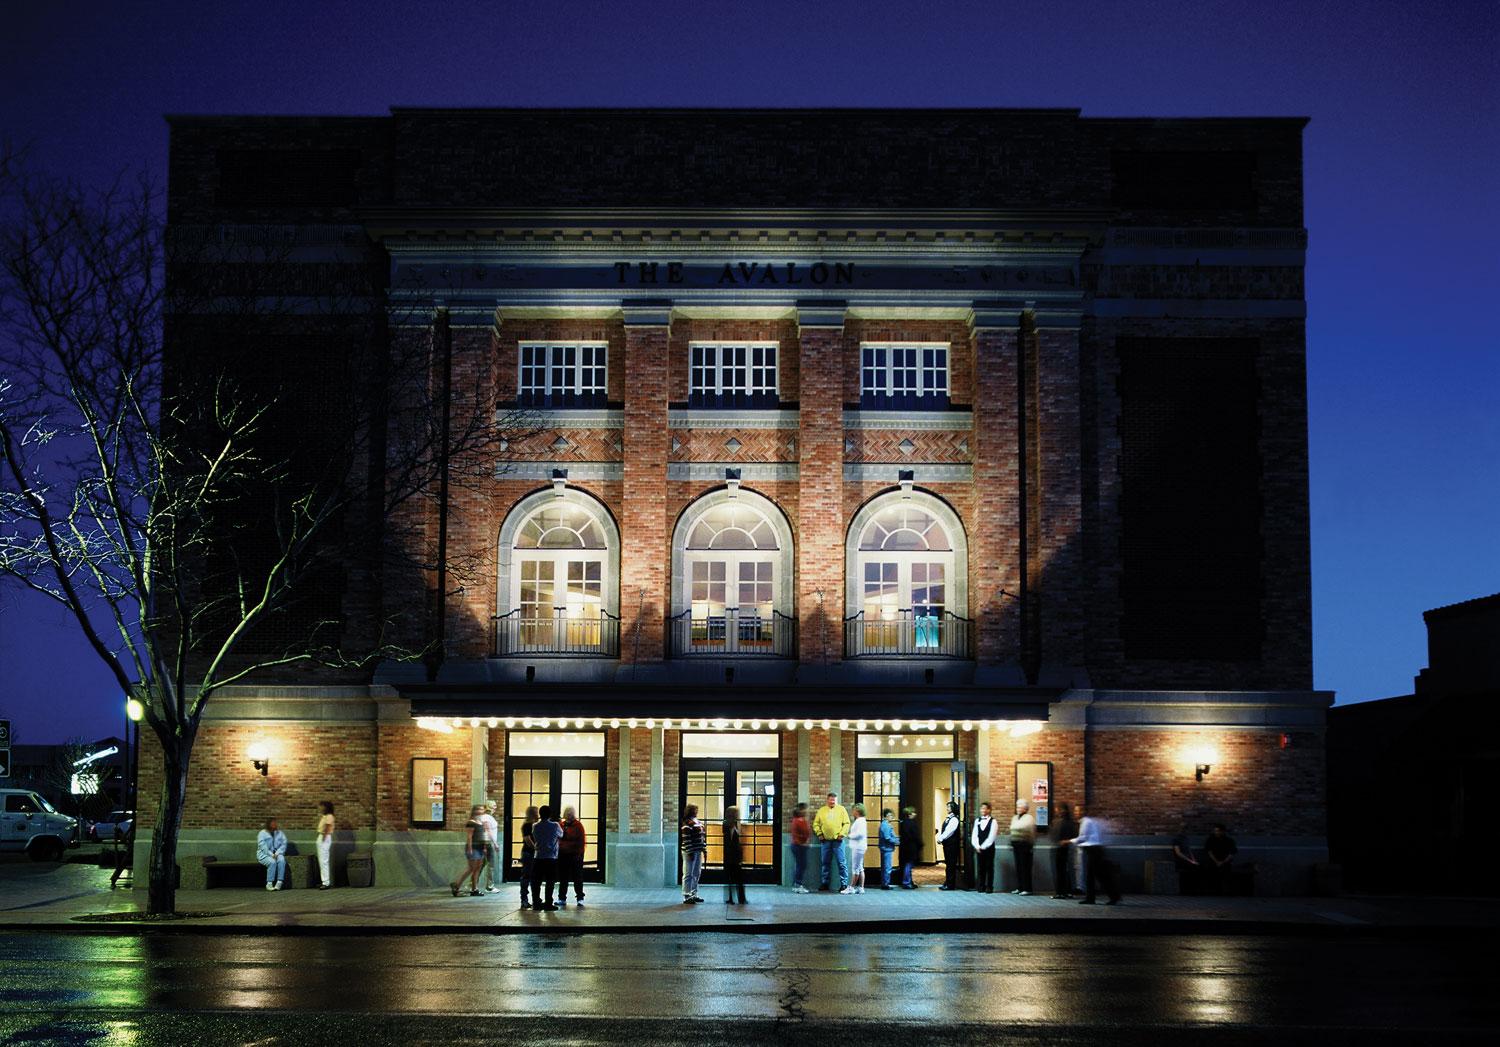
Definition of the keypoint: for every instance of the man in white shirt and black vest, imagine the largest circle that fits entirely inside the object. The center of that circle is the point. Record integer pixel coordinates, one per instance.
(986, 829)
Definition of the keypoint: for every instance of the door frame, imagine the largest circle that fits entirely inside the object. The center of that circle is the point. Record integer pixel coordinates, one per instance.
(556, 764)
(730, 766)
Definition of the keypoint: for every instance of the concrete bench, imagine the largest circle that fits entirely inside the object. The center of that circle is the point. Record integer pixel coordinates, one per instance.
(208, 872)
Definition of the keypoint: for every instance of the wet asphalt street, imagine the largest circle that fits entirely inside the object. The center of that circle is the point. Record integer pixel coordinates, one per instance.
(704, 989)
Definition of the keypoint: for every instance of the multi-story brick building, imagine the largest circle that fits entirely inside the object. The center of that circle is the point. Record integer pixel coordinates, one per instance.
(916, 454)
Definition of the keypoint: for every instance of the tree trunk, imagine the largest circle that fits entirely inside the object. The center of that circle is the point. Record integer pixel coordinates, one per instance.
(161, 888)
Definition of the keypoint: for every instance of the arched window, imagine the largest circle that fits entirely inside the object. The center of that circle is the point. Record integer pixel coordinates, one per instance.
(907, 572)
(732, 574)
(559, 565)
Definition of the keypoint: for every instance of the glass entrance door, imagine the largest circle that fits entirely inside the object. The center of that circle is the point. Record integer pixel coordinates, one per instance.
(576, 782)
(751, 785)
(879, 790)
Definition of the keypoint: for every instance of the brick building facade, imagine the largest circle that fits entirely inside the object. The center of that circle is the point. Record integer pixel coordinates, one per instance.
(882, 451)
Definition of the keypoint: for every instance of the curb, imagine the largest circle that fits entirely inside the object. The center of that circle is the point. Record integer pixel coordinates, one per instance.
(1075, 926)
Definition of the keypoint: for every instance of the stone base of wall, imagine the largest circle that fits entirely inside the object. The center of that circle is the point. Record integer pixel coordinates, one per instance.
(639, 860)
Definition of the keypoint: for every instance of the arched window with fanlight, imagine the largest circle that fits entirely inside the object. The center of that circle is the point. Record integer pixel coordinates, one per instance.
(732, 577)
(907, 587)
(558, 593)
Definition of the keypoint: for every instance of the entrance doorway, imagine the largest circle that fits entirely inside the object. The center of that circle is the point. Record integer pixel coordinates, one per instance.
(752, 783)
(889, 779)
(558, 782)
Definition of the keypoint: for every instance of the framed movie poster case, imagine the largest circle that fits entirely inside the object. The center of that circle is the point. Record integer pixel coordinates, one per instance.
(429, 792)
(1034, 785)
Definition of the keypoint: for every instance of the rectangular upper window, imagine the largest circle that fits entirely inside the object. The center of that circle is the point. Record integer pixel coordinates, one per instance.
(563, 374)
(724, 374)
(904, 377)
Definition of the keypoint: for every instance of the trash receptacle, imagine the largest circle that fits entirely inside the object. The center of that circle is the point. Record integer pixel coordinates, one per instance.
(360, 869)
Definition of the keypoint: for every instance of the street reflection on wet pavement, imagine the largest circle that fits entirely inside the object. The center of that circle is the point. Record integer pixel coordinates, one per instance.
(706, 988)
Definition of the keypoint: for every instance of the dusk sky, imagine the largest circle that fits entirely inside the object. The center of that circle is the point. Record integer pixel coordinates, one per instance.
(1402, 176)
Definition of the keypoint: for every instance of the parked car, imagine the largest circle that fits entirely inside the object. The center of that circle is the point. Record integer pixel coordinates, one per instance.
(103, 831)
(29, 823)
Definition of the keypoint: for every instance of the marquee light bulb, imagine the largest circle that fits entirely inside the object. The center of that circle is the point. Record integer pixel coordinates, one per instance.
(493, 723)
(510, 722)
(948, 725)
(880, 725)
(895, 725)
(843, 725)
(773, 724)
(614, 725)
(738, 724)
(666, 725)
(807, 725)
(598, 723)
(860, 726)
(755, 725)
(968, 726)
(650, 724)
(825, 725)
(632, 723)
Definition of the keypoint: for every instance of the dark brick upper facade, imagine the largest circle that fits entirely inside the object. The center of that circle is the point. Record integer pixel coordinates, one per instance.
(1064, 261)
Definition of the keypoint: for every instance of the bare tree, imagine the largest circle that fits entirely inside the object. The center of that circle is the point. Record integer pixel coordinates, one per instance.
(155, 495)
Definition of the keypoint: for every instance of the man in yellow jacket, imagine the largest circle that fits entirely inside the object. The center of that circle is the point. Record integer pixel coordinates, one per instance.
(831, 825)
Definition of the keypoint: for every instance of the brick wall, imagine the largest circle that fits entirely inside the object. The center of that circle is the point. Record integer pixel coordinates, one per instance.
(399, 743)
(1063, 748)
(1142, 781)
(308, 763)
(640, 780)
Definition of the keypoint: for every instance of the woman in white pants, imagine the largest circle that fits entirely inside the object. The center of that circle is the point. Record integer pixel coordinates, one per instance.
(859, 842)
(325, 845)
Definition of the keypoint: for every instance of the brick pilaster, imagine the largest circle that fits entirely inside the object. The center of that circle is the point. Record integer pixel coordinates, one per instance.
(820, 443)
(1058, 538)
(643, 525)
(995, 553)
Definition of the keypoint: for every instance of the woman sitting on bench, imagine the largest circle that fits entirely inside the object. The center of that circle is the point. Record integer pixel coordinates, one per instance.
(270, 851)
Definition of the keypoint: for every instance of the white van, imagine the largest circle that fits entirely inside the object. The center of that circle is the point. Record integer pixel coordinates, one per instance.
(29, 823)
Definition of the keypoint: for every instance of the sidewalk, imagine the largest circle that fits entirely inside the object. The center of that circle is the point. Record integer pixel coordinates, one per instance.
(77, 899)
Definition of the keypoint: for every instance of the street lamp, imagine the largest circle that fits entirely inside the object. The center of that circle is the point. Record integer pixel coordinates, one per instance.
(134, 712)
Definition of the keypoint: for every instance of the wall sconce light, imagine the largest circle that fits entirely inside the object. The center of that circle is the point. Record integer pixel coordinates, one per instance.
(134, 709)
(1203, 760)
(260, 757)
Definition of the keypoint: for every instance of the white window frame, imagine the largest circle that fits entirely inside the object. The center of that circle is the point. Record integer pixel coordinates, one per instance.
(717, 369)
(549, 352)
(886, 386)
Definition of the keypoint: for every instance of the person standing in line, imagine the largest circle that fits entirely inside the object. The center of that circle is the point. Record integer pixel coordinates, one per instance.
(1022, 840)
(859, 845)
(528, 858)
(734, 872)
(951, 840)
(830, 826)
(801, 841)
(1062, 852)
(492, 871)
(888, 843)
(473, 854)
(986, 831)
(1189, 871)
(1080, 881)
(325, 845)
(692, 837)
(270, 851)
(911, 846)
(570, 856)
(1090, 841)
(546, 833)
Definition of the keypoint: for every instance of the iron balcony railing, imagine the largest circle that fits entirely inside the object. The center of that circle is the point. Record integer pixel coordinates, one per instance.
(915, 632)
(556, 635)
(734, 633)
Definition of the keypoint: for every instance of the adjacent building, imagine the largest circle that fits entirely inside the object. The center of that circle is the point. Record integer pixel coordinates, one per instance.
(920, 455)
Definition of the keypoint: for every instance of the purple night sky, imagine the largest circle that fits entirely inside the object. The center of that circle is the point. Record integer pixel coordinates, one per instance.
(1403, 194)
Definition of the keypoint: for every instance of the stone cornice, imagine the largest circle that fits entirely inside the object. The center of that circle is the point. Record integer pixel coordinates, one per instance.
(698, 418)
(929, 421)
